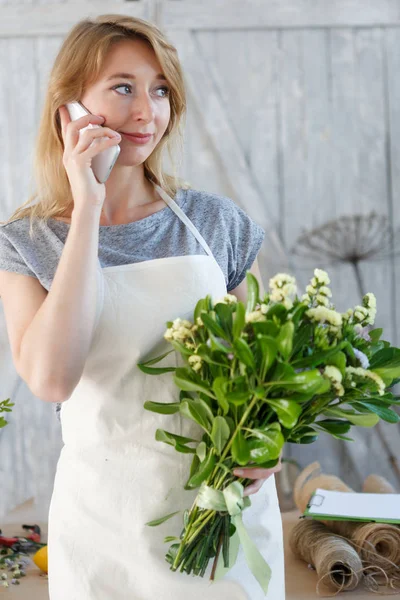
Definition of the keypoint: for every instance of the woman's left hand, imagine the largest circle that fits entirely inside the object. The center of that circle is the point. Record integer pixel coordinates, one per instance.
(260, 475)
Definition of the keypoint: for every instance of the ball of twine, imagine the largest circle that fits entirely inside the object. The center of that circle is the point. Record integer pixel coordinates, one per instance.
(334, 559)
(377, 544)
(376, 484)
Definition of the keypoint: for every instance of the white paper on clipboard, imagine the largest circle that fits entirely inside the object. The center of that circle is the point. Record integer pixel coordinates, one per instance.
(353, 505)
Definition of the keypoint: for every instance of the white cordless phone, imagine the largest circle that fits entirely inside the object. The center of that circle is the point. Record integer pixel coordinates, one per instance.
(103, 162)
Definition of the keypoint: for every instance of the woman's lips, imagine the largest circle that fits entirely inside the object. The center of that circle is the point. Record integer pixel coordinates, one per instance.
(137, 139)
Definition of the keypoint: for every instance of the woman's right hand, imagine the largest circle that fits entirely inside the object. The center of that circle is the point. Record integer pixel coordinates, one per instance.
(78, 154)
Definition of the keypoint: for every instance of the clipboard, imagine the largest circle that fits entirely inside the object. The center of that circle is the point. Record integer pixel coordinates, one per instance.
(353, 506)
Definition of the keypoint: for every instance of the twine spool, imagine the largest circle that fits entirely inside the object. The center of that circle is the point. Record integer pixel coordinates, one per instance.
(377, 544)
(312, 478)
(376, 484)
(334, 559)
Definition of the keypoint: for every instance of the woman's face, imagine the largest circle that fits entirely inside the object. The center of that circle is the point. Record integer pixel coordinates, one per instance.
(132, 95)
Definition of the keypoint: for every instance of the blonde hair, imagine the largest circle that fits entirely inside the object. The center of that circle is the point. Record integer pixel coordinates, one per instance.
(78, 63)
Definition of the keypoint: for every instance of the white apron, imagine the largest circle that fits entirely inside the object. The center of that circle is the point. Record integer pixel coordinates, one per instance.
(113, 476)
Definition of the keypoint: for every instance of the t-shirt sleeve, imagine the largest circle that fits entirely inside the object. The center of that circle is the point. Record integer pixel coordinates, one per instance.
(10, 259)
(245, 240)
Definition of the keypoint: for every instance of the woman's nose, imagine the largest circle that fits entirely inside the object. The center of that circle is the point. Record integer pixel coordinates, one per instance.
(142, 108)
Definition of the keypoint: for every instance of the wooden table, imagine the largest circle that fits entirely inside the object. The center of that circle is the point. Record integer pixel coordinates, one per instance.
(300, 580)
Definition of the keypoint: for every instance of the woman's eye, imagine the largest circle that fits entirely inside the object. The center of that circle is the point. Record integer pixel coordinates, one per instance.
(123, 85)
(164, 89)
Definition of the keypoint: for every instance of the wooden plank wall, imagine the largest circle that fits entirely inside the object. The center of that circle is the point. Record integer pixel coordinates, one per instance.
(308, 96)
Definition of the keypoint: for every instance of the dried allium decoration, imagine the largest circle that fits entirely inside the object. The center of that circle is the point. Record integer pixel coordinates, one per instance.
(352, 239)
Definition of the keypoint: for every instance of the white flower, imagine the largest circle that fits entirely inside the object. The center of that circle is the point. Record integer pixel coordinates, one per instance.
(363, 358)
(195, 362)
(323, 314)
(168, 335)
(334, 375)
(311, 290)
(181, 334)
(322, 300)
(322, 277)
(325, 291)
(227, 299)
(181, 322)
(367, 374)
(282, 286)
(254, 317)
(369, 301)
(264, 309)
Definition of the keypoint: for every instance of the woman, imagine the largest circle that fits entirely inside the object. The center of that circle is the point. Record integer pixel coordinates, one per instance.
(78, 329)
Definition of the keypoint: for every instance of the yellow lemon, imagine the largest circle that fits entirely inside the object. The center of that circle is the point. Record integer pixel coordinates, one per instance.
(40, 559)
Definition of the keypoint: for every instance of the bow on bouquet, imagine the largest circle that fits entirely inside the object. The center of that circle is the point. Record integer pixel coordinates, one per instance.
(281, 369)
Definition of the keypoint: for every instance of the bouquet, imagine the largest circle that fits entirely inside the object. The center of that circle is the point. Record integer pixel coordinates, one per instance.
(280, 369)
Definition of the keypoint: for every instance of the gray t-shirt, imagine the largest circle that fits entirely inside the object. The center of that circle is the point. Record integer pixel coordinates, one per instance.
(233, 237)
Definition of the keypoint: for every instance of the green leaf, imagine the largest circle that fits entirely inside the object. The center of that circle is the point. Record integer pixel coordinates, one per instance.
(181, 348)
(335, 426)
(375, 334)
(304, 435)
(198, 411)
(162, 519)
(387, 373)
(365, 420)
(240, 449)
(224, 314)
(306, 381)
(338, 360)
(387, 357)
(219, 389)
(186, 380)
(238, 398)
(268, 444)
(268, 349)
(302, 337)
(193, 468)
(252, 292)
(384, 413)
(239, 320)
(220, 434)
(205, 469)
(201, 451)
(202, 305)
(216, 345)
(152, 361)
(162, 408)
(213, 326)
(288, 411)
(285, 340)
(277, 310)
(208, 355)
(156, 370)
(244, 353)
(177, 441)
(266, 328)
(318, 358)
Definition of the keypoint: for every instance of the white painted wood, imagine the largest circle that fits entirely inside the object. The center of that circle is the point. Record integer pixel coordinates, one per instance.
(251, 93)
(200, 78)
(276, 14)
(57, 19)
(392, 89)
